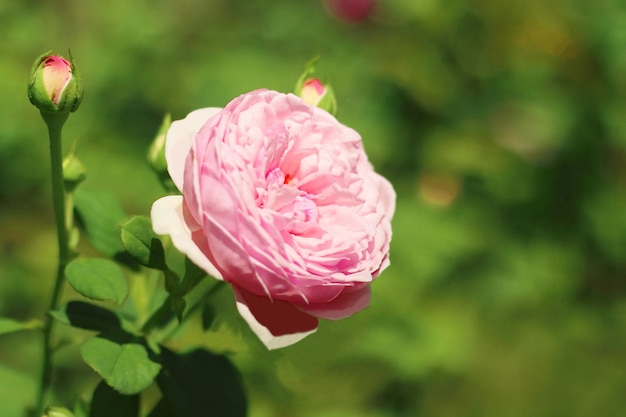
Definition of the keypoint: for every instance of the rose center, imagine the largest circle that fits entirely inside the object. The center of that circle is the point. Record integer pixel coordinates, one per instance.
(282, 196)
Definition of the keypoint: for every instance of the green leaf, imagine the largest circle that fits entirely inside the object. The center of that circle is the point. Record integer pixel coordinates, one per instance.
(87, 316)
(200, 383)
(101, 214)
(9, 325)
(125, 366)
(107, 402)
(98, 279)
(140, 241)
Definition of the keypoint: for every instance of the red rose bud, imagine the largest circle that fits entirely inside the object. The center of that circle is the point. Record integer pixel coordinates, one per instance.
(55, 85)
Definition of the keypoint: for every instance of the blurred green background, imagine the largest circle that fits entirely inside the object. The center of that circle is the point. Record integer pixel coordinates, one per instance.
(502, 126)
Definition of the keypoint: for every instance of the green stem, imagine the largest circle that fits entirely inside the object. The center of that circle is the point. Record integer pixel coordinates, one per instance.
(165, 314)
(160, 317)
(191, 310)
(55, 126)
(206, 297)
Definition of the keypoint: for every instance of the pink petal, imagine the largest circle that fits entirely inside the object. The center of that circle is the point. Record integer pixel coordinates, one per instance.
(341, 307)
(275, 322)
(179, 140)
(56, 76)
(168, 219)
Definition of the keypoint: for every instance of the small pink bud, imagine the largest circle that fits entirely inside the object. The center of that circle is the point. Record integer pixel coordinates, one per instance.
(312, 91)
(315, 93)
(353, 11)
(55, 85)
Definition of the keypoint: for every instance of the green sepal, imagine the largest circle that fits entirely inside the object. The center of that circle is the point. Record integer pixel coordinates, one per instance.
(309, 70)
(328, 101)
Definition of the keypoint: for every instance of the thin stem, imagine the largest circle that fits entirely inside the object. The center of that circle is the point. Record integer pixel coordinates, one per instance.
(160, 317)
(191, 310)
(165, 314)
(55, 126)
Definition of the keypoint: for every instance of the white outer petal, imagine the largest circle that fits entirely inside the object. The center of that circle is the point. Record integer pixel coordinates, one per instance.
(179, 140)
(269, 340)
(167, 219)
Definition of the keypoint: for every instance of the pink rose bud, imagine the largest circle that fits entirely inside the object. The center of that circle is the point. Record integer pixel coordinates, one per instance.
(353, 11)
(55, 85)
(314, 92)
(317, 94)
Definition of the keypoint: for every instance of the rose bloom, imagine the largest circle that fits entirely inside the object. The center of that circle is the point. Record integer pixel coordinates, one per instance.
(280, 201)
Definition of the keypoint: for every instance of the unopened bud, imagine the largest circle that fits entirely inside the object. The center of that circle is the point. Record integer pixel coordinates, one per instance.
(156, 153)
(351, 11)
(315, 93)
(55, 85)
(74, 172)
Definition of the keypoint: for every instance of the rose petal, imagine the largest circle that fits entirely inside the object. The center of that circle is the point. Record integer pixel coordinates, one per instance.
(387, 196)
(341, 307)
(276, 323)
(168, 219)
(179, 139)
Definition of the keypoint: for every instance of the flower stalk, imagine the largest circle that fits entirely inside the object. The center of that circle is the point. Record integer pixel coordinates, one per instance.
(55, 122)
(55, 88)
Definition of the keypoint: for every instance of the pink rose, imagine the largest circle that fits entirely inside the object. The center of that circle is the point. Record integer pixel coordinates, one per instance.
(280, 201)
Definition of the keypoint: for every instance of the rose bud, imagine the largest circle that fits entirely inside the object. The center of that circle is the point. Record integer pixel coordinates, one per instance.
(156, 152)
(55, 85)
(156, 155)
(353, 11)
(74, 172)
(314, 93)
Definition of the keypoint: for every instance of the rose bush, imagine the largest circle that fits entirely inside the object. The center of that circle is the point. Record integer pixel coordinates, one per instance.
(279, 200)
